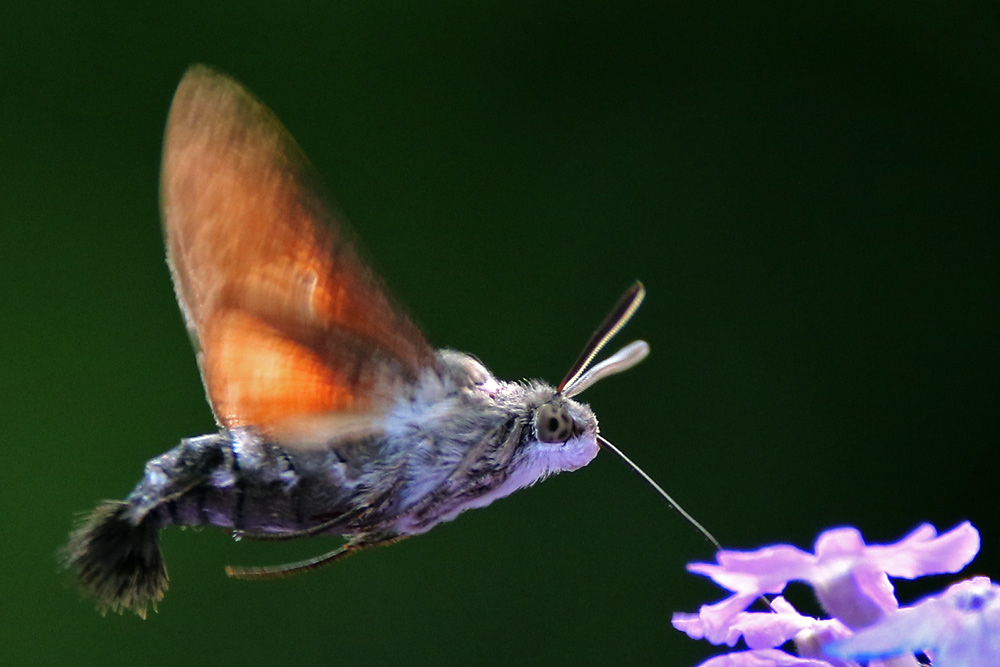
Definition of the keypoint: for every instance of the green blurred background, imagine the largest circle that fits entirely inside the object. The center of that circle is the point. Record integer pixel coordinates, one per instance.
(809, 191)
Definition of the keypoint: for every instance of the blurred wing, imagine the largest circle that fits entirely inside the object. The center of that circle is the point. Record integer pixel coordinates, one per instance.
(287, 320)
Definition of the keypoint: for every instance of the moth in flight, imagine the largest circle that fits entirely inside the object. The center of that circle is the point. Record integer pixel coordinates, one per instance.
(335, 415)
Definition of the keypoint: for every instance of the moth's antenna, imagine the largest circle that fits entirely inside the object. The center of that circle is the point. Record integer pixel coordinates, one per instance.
(606, 444)
(615, 320)
(622, 360)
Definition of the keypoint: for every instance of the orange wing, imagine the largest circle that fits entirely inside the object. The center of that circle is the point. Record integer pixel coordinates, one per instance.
(287, 320)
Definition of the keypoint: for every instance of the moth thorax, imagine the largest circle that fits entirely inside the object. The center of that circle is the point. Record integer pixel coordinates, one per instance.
(465, 370)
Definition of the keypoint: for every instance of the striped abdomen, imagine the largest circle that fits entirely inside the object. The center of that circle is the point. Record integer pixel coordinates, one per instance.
(231, 480)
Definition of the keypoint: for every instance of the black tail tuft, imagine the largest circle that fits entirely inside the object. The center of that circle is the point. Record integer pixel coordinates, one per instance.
(117, 561)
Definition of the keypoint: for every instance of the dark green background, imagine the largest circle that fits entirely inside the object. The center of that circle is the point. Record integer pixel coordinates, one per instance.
(809, 191)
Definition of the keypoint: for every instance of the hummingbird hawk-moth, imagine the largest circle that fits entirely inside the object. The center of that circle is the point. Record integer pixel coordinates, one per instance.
(335, 415)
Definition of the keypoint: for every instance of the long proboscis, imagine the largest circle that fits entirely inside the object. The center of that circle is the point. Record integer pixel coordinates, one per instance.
(606, 444)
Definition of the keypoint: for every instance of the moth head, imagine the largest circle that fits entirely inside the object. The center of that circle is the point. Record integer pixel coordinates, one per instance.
(563, 432)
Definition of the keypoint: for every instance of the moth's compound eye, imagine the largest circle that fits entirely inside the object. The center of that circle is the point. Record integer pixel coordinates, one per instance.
(553, 423)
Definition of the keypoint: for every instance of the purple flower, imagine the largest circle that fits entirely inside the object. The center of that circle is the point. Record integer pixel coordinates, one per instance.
(851, 581)
(959, 628)
(768, 657)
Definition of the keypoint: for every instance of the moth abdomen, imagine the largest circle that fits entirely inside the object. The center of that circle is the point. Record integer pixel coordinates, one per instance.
(118, 559)
(115, 550)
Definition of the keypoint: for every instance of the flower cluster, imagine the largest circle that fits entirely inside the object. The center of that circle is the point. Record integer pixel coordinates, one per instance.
(851, 579)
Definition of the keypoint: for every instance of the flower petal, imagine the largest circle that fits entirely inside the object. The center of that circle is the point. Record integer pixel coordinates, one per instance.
(861, 596)
(762, 658)
(852, 578)
(961, 628)
(762, 571)
(922, 552)
(714, 622)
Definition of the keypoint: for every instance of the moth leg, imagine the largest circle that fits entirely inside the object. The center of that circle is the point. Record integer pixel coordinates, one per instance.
(308, 565)
(311, 531)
